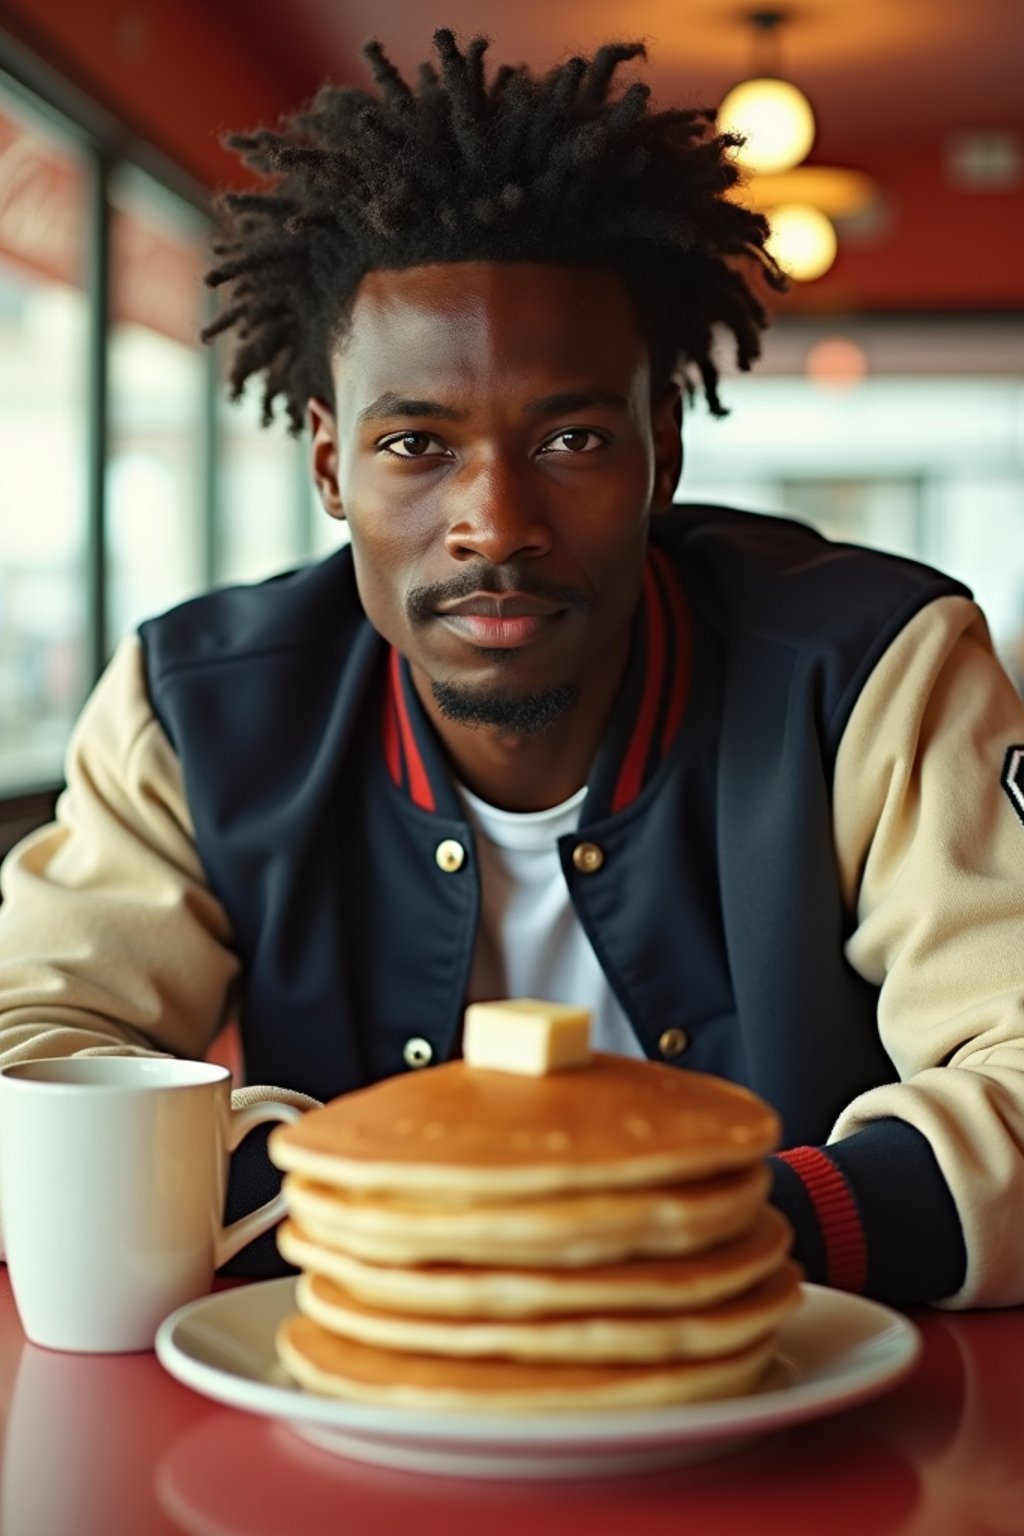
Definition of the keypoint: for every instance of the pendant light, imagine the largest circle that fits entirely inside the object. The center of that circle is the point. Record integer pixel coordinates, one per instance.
(776, 121)
(772, 114)
(803, 240)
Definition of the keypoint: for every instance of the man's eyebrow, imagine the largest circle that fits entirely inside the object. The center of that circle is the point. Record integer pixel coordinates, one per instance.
(576, 400)
(387, 406)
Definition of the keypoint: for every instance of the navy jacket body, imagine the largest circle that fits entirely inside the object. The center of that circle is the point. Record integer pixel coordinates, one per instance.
(320, 795)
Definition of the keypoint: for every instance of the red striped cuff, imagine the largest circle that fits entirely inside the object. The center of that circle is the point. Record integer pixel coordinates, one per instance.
(846, 1257)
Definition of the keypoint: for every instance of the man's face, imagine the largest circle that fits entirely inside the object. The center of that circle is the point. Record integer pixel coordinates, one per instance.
(496, 455)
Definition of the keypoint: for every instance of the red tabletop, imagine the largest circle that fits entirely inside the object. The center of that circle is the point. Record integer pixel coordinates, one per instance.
(113, 1446)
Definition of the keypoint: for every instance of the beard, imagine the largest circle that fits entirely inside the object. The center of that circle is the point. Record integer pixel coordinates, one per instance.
(500, 709)
(512, 714)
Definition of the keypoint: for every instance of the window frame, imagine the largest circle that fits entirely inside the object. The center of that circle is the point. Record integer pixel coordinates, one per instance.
(105, 146)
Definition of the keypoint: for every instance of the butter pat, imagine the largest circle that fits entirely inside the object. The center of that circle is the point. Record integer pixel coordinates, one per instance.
(526, 1036)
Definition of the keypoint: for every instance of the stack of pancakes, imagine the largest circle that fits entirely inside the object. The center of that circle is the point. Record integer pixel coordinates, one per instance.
(485, 1241)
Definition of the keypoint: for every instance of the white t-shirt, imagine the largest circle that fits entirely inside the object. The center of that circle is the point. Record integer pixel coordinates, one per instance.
(530, 942)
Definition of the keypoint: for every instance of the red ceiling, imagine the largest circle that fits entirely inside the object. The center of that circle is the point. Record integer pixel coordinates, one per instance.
(876, 68)
(891, 80)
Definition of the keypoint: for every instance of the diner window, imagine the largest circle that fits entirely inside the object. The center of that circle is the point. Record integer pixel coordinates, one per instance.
(43, 494)
(919, 452)
(155, 513)
(127, 483)
(263, 480)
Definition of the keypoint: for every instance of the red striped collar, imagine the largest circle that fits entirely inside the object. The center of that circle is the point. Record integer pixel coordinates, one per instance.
(401, 749)
(642, 729)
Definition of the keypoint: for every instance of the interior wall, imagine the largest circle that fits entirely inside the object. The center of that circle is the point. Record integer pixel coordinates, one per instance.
(179, 72)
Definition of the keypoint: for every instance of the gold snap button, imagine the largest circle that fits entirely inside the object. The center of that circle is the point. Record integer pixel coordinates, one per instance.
(673, 1042)
(588, 858)
(450, 855)
(417, 1052)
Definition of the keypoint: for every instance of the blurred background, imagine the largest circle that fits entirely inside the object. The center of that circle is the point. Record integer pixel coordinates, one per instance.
(888, 409)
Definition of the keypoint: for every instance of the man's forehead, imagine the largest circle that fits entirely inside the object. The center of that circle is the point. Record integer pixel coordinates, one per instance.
(470, 316)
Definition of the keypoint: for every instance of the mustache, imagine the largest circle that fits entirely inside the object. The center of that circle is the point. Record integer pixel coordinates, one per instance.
(423, 602)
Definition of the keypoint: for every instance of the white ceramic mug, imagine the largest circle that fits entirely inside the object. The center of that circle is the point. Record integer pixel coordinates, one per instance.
(113, 1171)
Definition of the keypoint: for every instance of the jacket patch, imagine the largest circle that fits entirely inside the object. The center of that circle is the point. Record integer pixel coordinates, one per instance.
(1013, 778)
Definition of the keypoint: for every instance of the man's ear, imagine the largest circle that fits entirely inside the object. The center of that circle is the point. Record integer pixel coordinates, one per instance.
(324, 455)
(667, 426)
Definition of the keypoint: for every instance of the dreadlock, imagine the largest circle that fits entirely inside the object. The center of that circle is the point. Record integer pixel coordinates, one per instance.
(520, 168)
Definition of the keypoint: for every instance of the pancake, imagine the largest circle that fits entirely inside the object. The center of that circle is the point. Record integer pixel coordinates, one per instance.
(325, 1363)
(457, 1290)
(692, 1335)
(540, 1230)
(462, 1134)
(588, 1228)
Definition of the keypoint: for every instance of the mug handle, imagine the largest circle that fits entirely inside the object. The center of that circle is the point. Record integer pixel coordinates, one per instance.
(242, 1231)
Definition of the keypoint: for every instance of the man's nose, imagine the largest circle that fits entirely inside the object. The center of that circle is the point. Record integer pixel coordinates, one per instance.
(495, 514)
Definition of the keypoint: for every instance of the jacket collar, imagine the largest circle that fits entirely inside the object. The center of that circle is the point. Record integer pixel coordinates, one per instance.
(644, 723)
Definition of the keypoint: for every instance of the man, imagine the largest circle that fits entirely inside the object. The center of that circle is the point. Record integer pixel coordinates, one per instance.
(753, 798)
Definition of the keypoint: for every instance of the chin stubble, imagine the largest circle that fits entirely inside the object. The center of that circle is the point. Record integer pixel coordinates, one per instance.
(519, 714)
(514, 714)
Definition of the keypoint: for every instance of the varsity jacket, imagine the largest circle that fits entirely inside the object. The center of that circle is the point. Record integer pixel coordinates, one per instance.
(808, 812)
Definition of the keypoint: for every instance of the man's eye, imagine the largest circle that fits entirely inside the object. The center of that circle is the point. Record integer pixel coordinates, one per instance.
(412, 445)
(575, 440)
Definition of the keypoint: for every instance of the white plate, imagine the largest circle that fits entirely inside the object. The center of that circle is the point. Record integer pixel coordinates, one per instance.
(835, 1350)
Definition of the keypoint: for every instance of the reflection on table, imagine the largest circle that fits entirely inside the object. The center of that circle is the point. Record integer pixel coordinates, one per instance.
(104, 1445)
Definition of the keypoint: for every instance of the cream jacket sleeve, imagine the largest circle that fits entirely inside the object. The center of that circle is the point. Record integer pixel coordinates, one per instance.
(110, 939)
(930, 849)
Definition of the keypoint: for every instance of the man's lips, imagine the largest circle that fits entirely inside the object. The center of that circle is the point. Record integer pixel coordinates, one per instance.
(500, 622)
(504, 605)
